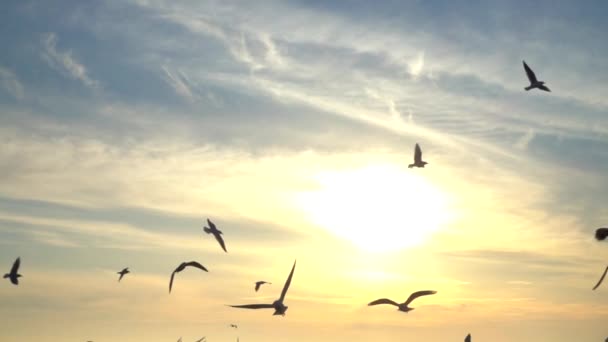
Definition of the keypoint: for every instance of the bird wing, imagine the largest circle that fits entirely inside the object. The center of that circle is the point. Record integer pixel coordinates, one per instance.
(601, 279)
(383, 301)
(121, 275)
(544, 87)
(257, 286)
(530, 73)
(16, 265)
(211, 224)
(468, 338)
(601, 233)
(219, 239)
(201, 339)
(197, 265)
(418, 294)
(288, 282)
(171, 281)
(253, 306)
(417, 154)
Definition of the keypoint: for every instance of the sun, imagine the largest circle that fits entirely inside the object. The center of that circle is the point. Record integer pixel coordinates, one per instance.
(379, 208)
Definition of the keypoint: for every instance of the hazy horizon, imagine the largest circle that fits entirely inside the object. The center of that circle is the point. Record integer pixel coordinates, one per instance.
(291, 124)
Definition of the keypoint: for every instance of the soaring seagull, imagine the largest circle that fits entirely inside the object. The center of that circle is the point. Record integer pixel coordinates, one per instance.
(403, 306)
(278, 306)
(418, 162)
(260, 283)
(601, 279)
(216, 232)
(181, 267)
(601, 234)
(534, 83)
(123, 272)
(13, 275)
(468, 338)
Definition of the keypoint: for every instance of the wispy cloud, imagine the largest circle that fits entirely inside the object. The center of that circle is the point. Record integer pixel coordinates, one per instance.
(64, 62)
(525, 140)
(179, 83)
(10, 83)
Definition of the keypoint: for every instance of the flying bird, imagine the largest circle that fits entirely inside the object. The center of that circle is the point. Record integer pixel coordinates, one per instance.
(202, 339)
(418, 162)
(601, 279)
(216, 232)
(234, 326)
(534, 83)
(468, 338)
(277, 305)
(123, 272)
(13, 275)
(601, 234)
(403, 306)
(181, 267)
(260, 283)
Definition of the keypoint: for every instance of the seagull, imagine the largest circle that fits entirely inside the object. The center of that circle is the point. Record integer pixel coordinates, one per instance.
(468, 338)
(216, 232)
(403, 306)
(13, 275)
(601, 279)
(234, 326)
(123, 272)
(182, 266)
(534, 83)
(278, 306)
(601, 234)
(418, 162)
(260, 283)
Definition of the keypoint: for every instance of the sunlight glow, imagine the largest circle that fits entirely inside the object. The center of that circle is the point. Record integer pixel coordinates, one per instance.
(379, 208)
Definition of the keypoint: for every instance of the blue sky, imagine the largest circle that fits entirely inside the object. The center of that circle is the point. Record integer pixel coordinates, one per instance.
(291, 123)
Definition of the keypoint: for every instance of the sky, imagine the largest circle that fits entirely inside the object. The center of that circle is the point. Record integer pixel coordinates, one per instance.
(291, 124)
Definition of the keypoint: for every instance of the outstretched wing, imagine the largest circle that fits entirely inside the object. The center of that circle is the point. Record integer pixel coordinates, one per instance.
(257, 286)
(417, 154)
(287, 283)
(253, 306)
(530, 73)
(418, 294)
(121, 275)
(201, 339)
(219, 239)
(382, 301)
(601, 234)
(197, 265)
(211, 224)
(468, 338)
(16, 265)
(544, 87)
(171, 281)
(601, 279)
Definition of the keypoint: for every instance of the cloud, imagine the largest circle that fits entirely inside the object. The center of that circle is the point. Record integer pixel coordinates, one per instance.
(10, 82)
(525, 140)
(416, 66)
(64, 62)
(179, 83)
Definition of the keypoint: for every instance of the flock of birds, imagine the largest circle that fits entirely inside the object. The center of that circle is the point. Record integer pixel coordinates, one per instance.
(278, 305)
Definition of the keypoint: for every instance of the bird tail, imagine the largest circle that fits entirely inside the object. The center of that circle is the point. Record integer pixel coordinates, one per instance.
(6, 276)
(207, 230)
(411, 166)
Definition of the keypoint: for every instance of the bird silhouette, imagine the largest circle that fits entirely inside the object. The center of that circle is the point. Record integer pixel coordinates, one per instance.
(234, 326)
(418, 162)
(181, 267)
(202, 339)
(534, 83)
(601, 234)
(601, 279)
(122, 273)
(13, 275)
(468, 338)
(278, 305)
(403, 306)
(260, 283)
(216, 232)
